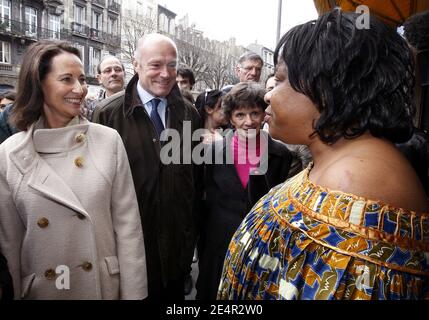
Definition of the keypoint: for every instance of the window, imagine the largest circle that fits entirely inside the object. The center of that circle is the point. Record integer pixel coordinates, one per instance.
(163, 23)
(5, 13)
(97, 20)
(79, 19)
(30, 21)
(4, 52)
(112, 26)
(79, 14)
(139, 8)
(54, 27)
(149, 12)
(94, 60)
(82, 51)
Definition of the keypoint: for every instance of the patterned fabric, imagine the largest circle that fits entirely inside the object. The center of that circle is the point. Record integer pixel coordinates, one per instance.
(302, 241)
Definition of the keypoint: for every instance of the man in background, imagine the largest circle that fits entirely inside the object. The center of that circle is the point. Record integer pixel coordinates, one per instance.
(249, 67)
(185, 80)
(111, 76)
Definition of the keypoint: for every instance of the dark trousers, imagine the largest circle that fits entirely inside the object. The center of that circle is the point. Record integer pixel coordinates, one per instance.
(173, 291)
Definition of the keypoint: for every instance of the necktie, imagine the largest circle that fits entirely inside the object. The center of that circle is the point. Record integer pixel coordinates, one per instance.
(156, 119)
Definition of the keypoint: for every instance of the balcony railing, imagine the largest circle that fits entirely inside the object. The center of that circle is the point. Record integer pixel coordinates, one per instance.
(6, 67)
(5, 25)
(80, 29)
(18, 29)
(30, 32)
(54, 2)
(113, 40)
(101, 3)
(114, 6)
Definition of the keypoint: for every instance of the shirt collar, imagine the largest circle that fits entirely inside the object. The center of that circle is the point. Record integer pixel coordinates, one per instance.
(145, 96)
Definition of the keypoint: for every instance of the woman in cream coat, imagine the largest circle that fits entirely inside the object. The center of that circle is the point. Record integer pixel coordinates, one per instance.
(69, 219)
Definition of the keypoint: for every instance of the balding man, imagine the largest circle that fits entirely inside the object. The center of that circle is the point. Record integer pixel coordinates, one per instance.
(111, 74)
(166, 192)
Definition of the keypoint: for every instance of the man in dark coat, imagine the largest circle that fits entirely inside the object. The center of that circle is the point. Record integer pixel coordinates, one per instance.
(165, 191)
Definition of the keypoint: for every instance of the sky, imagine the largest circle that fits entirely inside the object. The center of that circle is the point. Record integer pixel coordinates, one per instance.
(249, 21)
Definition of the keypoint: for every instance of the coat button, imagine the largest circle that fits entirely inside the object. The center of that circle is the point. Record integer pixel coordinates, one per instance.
(78, 162)
(87, 266)
(43, 222)
(80, 138)
(81, 216)
(50, 274)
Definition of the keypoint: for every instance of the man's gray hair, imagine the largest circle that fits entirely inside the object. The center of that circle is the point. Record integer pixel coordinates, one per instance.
(249, 55)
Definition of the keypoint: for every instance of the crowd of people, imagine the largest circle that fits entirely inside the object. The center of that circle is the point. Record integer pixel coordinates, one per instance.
(312, 184)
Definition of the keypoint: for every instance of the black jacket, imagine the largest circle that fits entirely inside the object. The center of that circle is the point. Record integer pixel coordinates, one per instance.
(6, 130)
(165, 193)
(5, 280)
(225, 206)
(416, 150)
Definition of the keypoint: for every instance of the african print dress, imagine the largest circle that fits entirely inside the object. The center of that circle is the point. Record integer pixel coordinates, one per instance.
(302, 241)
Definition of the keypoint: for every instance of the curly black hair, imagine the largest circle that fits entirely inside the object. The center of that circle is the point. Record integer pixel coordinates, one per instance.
(416, 30)
(359, 79)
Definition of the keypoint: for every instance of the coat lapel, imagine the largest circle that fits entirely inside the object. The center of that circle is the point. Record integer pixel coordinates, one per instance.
(48, 183)
(42, 177)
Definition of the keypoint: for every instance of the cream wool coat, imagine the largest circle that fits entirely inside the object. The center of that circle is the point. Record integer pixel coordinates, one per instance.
(67, 199)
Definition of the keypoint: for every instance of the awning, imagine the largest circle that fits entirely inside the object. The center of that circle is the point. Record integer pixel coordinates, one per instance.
(393, 12)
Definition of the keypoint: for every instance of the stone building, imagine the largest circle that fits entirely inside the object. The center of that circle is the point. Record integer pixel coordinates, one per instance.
(93, 26)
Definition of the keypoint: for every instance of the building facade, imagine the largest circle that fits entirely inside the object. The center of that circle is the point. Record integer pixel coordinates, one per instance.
(166, 20)
(93, 26)
(140, 18)
(267, 56)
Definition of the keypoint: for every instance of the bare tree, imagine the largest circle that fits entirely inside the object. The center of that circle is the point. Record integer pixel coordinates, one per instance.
(195, 57)
(211, 61)
(132, 30)
(220, 71)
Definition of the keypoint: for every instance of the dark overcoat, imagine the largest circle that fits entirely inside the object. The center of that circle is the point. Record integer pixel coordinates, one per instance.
(226, 204)
(165, 192)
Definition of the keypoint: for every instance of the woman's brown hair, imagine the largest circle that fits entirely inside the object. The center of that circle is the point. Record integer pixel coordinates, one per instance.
(36, 64)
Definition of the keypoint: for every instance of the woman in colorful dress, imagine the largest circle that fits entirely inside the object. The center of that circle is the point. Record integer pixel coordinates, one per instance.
(355, 223)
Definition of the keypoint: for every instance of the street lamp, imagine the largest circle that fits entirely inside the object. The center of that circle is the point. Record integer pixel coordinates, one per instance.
(279, 20)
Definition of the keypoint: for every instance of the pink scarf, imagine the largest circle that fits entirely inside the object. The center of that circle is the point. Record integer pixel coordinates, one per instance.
(247, 155)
